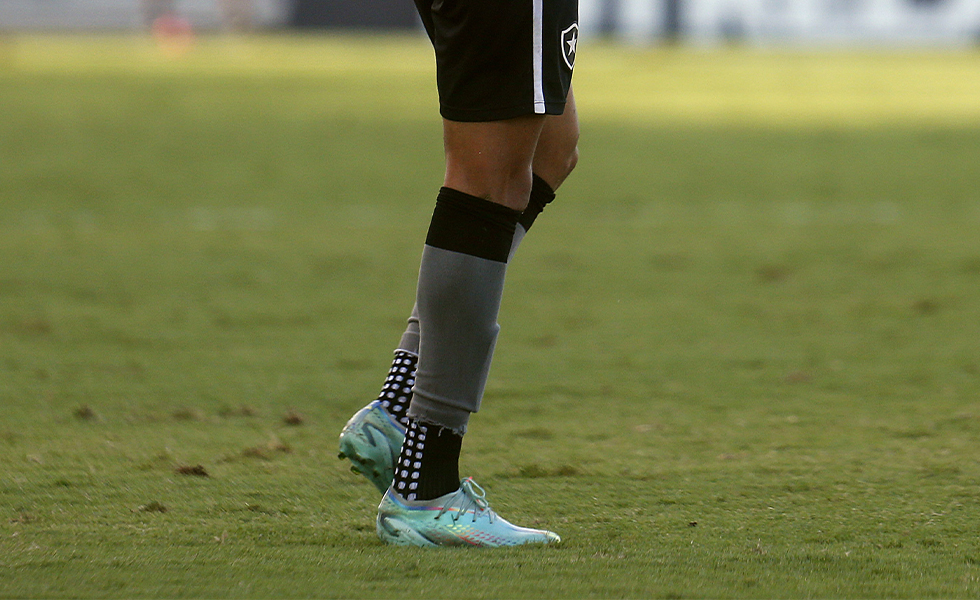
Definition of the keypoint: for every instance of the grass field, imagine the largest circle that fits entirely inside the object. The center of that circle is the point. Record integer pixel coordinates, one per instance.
(739, 354)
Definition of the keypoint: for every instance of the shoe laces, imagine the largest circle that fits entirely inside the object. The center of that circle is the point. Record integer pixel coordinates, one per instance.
(473, 499)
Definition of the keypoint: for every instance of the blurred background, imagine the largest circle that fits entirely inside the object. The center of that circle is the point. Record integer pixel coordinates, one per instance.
(758, 22)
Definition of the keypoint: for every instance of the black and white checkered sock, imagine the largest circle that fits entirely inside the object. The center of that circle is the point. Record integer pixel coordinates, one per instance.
(428, 466)
(396, 394)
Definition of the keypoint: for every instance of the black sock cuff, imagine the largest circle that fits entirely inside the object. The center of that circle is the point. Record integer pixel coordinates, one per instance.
(470, 225)
(541, 195)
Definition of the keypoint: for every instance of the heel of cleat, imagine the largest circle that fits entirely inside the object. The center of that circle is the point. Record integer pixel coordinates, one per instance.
(371, 441)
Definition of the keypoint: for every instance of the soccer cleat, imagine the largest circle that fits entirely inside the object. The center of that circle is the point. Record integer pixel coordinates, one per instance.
(462, 518)
(371, 440)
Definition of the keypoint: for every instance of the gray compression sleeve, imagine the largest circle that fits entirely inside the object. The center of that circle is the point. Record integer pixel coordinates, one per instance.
(410, 338)
(458, 301)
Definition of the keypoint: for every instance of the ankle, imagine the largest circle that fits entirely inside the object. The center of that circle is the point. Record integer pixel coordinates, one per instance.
(428, 465)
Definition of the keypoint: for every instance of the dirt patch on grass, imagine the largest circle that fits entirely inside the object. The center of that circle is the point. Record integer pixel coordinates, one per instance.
(86, 413)
(293, 419)
(192, 470)
(152, 507)
(187, 414)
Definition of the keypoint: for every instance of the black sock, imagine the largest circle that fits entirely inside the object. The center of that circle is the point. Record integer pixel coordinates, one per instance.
(541, 195)
(428, 466)
(396, 394)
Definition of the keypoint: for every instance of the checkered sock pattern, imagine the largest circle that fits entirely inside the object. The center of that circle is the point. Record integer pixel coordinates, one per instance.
(428, 466)
(396, 394)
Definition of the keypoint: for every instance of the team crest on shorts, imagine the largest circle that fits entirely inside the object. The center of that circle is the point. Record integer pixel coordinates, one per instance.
(569, 45)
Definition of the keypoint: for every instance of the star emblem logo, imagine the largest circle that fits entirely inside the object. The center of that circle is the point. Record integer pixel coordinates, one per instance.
(569, 45)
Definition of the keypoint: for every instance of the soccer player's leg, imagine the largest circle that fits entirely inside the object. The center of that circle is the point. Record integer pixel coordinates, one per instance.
(555, 157)
(501, 67)
(488, 182)
(556, 154)
(428, 462)
(489, 161)
(373, 437)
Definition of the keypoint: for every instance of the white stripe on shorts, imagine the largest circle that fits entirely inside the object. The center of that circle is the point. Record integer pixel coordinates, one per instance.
(538, 42)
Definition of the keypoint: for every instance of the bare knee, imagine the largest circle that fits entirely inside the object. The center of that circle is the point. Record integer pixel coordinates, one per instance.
(492, 160)
(572, 161)
(507, 183)
(564, 166)
(557, 157)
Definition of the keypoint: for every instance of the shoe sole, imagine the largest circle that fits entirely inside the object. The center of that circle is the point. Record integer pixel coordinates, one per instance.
(364, 465)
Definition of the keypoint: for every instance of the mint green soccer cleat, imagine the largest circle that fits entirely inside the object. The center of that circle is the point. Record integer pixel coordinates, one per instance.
(463, 518)
(371, 440)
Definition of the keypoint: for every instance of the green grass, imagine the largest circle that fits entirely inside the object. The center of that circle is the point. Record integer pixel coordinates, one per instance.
(739, 354)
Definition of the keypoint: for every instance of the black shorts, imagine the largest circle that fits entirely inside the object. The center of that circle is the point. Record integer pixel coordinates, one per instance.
(499, 59)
